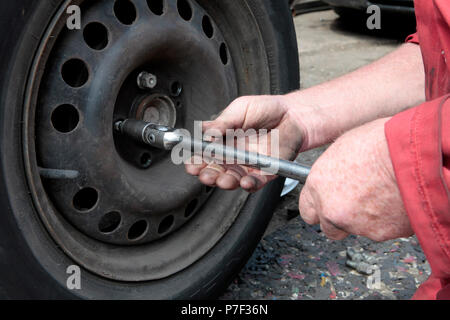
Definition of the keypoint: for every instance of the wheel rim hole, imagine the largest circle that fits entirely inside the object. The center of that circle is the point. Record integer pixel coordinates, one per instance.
(184, 9)
(207, 27)
(138, 230)
(146, 160)
(125, 11)
(224, 53)
(190, 208)
(175, 89)
(96, 35)
(75, 73)
(109, 222)
(65, 118)
(156, 6)
(165, 224)
(85, 199)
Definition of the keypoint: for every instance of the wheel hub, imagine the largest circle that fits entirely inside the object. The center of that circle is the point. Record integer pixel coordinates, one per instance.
(156, 108)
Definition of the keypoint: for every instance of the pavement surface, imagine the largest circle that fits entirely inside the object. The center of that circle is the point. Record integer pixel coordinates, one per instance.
(295, 260)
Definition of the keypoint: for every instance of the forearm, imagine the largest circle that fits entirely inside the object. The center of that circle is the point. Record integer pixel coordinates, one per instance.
(381, 89)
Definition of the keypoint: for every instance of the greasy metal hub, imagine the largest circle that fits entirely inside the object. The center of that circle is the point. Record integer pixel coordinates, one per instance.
(158, 109)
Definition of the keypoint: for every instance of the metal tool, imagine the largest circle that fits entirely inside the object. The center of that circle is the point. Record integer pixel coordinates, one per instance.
(167, 138)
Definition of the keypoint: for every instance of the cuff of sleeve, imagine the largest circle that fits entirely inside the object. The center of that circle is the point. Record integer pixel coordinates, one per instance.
(415, 140)
(413, 38)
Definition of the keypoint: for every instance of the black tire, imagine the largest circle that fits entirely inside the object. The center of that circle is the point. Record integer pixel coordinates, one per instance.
(32, 265)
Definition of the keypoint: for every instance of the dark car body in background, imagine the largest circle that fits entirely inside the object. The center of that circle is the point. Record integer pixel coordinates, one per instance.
(392, 6)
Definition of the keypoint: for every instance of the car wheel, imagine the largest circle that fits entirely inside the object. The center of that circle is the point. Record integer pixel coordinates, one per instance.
(76, 195)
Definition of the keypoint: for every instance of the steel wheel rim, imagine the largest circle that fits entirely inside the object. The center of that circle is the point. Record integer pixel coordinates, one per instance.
(114, 267)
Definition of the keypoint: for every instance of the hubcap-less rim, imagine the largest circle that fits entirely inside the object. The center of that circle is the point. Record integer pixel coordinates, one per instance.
(157, 258)
(127, 193)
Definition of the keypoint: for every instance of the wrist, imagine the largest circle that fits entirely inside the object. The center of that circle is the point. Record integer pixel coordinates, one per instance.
(310, 118)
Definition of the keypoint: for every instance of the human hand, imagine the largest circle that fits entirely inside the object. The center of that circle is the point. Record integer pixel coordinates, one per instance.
(352, 188)
(252, 112)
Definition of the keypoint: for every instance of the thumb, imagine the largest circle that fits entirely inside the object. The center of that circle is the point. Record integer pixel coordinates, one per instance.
(232, 117)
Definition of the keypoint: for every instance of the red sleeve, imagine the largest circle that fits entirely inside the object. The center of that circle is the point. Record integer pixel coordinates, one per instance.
(419, 145)
(413, 38)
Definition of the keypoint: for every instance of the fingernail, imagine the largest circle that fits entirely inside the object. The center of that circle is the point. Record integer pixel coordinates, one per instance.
(248, 183)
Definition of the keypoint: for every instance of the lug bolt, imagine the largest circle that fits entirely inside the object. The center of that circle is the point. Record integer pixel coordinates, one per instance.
(146, 160)
(118, 126)
(146, 80)
(176, 89)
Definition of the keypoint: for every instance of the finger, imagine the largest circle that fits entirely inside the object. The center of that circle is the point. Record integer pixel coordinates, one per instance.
(254, 182)
(249, 183)
(331, 231)
(232, 117)
(216, 125)
(230, 180)
(210, 174)
(195, 165)
(308, 206)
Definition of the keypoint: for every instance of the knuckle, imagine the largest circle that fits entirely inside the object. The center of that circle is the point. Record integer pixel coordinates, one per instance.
(337, 236)
(307, 218)
(327, 218)
(314, 179)
(378, 236)
(309, 197)
(339, 219)
(308, 207)
(244, 100)
(333, 217)
(303, 204)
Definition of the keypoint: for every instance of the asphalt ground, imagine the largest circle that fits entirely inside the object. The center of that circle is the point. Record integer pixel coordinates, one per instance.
(295, 260)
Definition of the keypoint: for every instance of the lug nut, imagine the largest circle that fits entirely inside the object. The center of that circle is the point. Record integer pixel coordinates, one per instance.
(146, 160)
(146, 80)
(176, 89)
(118, 126)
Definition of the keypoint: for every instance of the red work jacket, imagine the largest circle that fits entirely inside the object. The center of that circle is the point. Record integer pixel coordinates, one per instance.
(419, 144)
